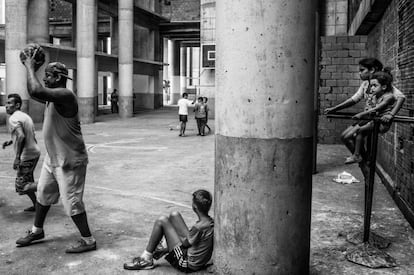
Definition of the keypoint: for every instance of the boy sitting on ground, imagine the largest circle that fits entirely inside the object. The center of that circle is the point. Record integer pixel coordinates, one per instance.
(187, 250)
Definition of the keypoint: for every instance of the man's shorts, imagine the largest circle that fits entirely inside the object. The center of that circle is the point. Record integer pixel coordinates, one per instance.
(183, 118)
(66, 183)
(178, 258)
(25, 174)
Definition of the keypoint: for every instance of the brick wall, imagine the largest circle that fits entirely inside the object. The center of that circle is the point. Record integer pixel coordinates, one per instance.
(181, 10)
(339, 79)
(392, 41)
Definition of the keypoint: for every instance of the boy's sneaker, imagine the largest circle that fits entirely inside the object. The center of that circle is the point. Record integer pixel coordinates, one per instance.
(139, 263)
(353, 159)
(81, 246)
(30, 238)
(159, 252)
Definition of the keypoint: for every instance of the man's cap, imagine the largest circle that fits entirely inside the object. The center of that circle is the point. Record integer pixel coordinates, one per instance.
(58, 68)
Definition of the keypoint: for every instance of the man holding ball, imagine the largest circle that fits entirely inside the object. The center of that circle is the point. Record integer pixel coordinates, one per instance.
(64, 167)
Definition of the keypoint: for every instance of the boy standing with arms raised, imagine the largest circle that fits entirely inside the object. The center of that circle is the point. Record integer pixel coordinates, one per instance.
(25, 146)
(183, 105)
(64, 168)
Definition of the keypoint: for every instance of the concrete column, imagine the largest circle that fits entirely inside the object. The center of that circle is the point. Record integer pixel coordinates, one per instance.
(174, 68)
(183, 69)
(86, 71)
(264, 124)
(16, 39)
(165, 72)
(38, 32)
(158, 100)
(126, 55)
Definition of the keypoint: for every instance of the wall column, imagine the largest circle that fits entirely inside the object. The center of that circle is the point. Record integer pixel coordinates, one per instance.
(38, 32)
(183, 69)
(174, 69)
(126, 55)
(264, 126)
(86, 72)
(16, 40)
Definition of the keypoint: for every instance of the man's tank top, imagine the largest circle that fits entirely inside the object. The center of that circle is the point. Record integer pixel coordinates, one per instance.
(63, 139)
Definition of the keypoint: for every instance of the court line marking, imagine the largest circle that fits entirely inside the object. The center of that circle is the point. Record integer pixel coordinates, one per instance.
(127, 194)
(143, 196)
(113, 144)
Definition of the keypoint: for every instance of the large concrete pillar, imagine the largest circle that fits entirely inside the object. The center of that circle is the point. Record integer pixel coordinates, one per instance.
(16, 39)
(126, 55)
(174, 70)
(183, 70)
(86, 16)
(264, 124)
(38, 32)
(38, 21)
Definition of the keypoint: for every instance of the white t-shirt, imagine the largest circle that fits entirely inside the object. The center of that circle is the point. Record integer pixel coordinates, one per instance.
(30, 150)
(183, 105)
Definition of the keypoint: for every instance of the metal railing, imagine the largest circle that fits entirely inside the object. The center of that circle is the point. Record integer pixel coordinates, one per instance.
(369, 161)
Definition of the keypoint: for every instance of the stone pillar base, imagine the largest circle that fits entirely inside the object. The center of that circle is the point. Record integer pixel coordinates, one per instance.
(86, 109)
(125, 106)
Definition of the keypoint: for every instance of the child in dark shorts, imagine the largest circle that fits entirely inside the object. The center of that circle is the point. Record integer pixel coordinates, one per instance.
(187, 250)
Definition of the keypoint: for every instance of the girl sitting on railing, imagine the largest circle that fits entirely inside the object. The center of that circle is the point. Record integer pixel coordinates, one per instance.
(367, 68)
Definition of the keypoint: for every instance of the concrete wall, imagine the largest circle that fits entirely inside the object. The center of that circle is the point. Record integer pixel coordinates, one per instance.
(147, 89)
(181, 10)
(143, 98)
(333, 17)
(339, 79)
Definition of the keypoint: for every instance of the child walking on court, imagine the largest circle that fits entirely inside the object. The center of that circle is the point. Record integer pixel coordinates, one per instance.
(205, 99)
(367, 68)
(381, 88)
(183, 105)
(187, 250)
(201, 112)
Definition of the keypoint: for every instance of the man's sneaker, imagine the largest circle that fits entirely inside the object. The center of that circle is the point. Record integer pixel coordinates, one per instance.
(139, 263)
(81, 246)
(30, 238)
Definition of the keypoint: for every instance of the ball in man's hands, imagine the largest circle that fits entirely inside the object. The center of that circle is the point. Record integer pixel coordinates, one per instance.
(33, 50)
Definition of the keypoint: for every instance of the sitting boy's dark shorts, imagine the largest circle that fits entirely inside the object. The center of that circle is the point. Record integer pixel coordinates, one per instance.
(25, 174)
(182, 118)
(178, 259)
